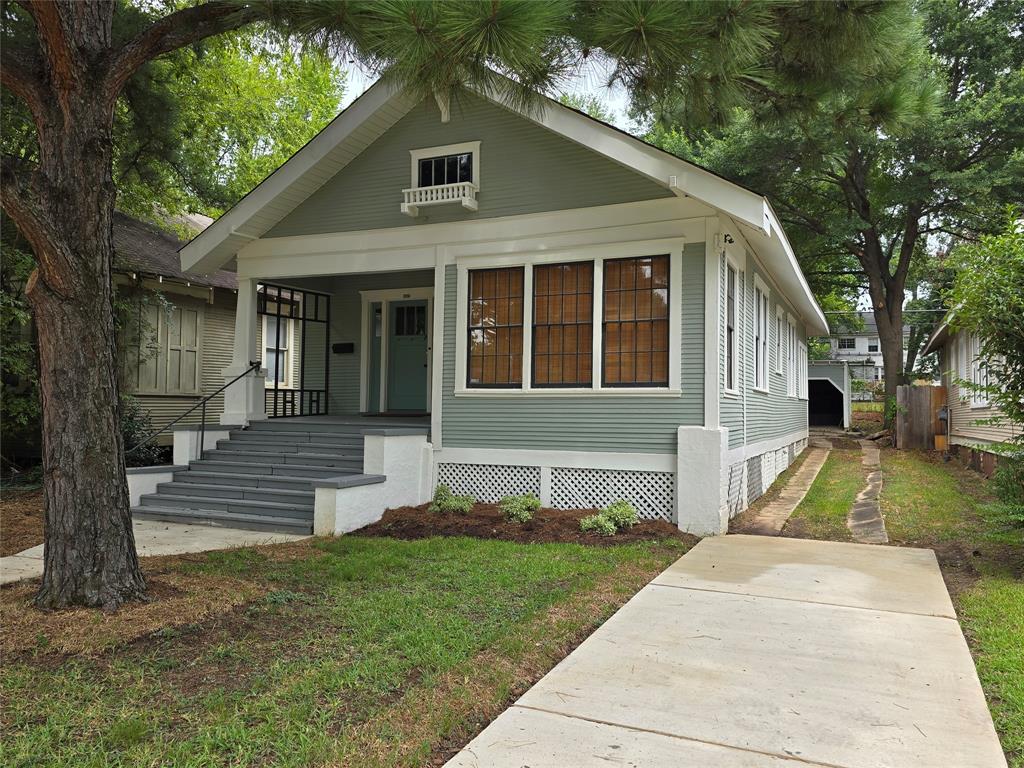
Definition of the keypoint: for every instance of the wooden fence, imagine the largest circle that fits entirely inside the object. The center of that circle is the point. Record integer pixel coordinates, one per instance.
(918, 425)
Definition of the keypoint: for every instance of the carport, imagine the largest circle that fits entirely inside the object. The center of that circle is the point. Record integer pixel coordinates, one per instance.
(829, 394)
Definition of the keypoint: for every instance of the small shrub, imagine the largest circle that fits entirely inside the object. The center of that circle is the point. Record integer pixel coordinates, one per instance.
(599, 524)
(447, 502)
(622, 514)
(519, 509)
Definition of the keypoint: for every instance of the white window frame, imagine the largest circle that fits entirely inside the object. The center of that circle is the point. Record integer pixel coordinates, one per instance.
(732, 388)
(801, 380)
(596, 254)
(287, 383)
(759, 319)
(852, 347)
(415, 155)
(792, 378)
(978, 371)
(778, 340)
(874, 342)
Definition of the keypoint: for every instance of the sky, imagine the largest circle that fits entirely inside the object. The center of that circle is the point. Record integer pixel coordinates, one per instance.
(590, 81)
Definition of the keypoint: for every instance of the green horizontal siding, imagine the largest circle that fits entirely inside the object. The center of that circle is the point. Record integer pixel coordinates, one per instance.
(583, 422)
(524, 168)
(834, 373)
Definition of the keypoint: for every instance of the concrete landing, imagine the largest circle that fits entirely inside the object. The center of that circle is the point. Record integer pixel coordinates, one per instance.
(756, 651)
(153, 537)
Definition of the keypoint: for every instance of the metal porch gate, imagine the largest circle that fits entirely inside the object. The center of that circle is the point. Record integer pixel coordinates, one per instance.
(295, 330)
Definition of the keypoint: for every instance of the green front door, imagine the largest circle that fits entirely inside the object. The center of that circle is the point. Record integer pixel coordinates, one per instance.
(407, 356)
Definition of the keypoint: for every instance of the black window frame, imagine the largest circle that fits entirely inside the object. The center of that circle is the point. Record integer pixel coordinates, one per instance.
(731, 377)
(470, 327)
(589, 384)
(444, 160)
(667, 319)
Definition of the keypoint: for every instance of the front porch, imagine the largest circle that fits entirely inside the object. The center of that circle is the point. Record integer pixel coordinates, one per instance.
(344, 346)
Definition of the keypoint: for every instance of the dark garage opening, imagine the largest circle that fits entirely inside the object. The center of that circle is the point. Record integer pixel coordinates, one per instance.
(824, 404)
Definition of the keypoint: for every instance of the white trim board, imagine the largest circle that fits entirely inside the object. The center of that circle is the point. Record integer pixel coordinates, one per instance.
(649, 462)
(471, 147)
(744, 452)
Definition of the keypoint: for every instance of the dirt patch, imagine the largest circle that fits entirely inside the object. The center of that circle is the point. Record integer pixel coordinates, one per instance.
(175, 599)
(21, 521)
(486, 521)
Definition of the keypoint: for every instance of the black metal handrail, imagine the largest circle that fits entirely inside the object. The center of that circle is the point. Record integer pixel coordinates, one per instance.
(254, 365)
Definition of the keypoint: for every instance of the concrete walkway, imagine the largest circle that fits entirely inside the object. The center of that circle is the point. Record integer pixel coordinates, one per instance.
(865, 517)
(760, 652)
(769, 520)
(153, 537)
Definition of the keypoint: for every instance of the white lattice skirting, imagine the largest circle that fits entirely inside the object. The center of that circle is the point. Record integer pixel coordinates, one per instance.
(489, 482)
(652, 493)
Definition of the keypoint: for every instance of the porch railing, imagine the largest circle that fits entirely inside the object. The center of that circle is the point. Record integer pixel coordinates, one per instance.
(254, 365)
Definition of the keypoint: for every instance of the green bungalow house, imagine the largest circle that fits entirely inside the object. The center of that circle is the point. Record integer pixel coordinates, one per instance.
(503, 301)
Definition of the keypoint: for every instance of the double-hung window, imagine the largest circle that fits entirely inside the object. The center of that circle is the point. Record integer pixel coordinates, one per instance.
(730, 328)
(847, 342)
(760, 337)
(778, 340)
(563, 324)
(791, 359)
(873, 345)
(277, 349)
(495, 344)
(635, 322)
(979, 372)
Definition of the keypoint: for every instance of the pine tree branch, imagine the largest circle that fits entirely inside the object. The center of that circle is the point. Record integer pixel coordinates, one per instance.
(20, 73)
(172, 32)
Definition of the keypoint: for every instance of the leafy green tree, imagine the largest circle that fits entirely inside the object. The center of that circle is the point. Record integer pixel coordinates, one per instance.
(72, 62)
(588, 104)
(925, 149)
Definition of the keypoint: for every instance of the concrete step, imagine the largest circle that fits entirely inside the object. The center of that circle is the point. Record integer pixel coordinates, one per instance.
(291, 425)
(267, 457)
(254, 468)
(216, 504)
(250, 446)
(284, 496)
(239, 480)
(296, 437)
(225, 519)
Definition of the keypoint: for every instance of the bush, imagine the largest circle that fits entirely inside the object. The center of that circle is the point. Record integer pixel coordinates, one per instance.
(519, 509)
(136, 426)
(622, 514)
(449, 503)
(599, 524)
(1008, 484)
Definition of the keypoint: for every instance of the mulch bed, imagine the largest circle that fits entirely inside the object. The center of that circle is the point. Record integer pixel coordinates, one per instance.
(487, 522)
(21, 521)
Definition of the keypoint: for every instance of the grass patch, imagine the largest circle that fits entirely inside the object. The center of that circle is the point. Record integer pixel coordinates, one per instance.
(822, 513)
(368, 651)
(867, 406)
(992, 614)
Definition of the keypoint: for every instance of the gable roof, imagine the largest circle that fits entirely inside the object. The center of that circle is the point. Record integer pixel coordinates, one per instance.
(147, 249)
(383, 104)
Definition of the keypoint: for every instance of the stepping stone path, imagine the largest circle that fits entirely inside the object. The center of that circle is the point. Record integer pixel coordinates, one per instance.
(770, 519)
(865, 517)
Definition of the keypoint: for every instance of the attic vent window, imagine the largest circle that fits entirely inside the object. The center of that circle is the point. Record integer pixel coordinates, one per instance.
(442, 175)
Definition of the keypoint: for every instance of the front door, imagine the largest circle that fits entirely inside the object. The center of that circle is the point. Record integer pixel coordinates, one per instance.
(407, 356)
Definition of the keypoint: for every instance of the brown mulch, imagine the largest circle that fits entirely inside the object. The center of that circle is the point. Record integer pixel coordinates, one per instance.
(21, 521)
(487, 522)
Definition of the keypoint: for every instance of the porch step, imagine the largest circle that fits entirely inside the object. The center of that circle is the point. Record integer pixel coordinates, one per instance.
(225, 519)
(217, 504)
(263, 457)
(240, 480)
(302, 425)
(254, 468)
(258, 446)
(282, 437)
(301, 498)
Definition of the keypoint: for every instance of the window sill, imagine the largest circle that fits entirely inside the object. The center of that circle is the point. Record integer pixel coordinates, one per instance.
(571, 392)
(979, 406)
(762, 390)
(731, 393)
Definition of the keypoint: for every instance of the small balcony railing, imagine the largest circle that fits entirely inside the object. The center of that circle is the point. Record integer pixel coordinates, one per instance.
(463, 192)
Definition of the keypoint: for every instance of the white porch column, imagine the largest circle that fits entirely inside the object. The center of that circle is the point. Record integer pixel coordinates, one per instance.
(243, 400)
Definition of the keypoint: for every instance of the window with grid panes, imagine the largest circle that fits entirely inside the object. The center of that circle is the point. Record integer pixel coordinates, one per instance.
(635, 322)
(563, 324)
(495, 342)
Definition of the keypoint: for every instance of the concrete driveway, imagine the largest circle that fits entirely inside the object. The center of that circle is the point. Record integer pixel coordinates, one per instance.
(759, 652)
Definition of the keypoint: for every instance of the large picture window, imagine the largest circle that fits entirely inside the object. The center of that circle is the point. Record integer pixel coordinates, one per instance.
(635, 322)
(563, 324)
(495, 342)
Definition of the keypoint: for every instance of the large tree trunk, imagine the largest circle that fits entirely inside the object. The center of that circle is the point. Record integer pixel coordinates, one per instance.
(64, 207)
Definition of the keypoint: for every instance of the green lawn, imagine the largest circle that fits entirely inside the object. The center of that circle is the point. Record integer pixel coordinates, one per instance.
(927, 503)
(355, 651)
(822, 513)
(865, 405)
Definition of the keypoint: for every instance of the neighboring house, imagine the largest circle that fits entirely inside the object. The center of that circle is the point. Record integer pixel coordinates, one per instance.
(863, 350)
(186, 337)
(959, 362)
(565, 309)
